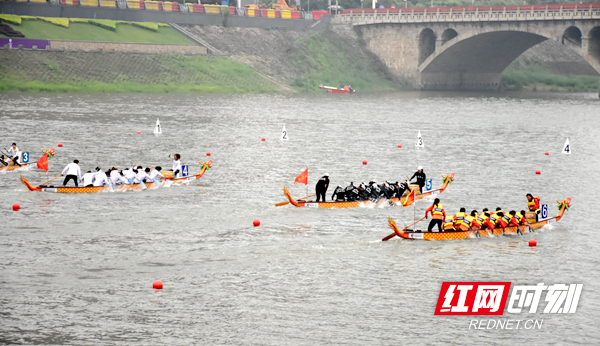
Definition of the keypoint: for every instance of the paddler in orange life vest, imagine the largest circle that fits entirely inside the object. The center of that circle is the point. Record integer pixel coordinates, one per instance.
(437, 215)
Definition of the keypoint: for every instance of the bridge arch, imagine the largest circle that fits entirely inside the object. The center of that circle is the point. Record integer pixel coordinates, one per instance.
(426, 44)
(476, 60)
(572, 36)
(448, 34)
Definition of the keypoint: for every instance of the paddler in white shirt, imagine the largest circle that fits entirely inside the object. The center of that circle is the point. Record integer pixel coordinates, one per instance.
(176, 165)
(116, 177)
(130, 175)
(143, 175)
(156, 174)
(13, 154)
(73, 173)
(87, 179)
(100, 178)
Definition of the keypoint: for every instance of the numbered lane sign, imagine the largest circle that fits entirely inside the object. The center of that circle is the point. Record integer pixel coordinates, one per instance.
(184, 171)
(428, 185)
(284, 134)
(419, 143)
(567, 148)
(25, 157)
(544, 212)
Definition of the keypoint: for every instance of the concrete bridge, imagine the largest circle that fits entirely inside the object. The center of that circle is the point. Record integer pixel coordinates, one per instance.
(468, 48)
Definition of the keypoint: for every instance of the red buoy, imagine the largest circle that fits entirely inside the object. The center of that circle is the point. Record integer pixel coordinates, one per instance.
(263, 139)
(208, 153)
(538, 172)
(399, 146)
(364, 162)
(532, 242)
(16, 207)
(139, 132)
(157, 285)
(256, 222)
(60, 145)
(546, 153)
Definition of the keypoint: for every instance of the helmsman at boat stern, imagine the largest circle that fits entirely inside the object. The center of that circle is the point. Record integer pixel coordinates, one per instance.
(321, 188)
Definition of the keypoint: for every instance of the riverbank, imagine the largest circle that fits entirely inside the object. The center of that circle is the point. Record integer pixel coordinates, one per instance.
(98, 72)
(531, 75)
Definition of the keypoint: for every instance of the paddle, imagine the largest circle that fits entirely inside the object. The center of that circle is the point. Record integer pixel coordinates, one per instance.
(394, 234)
(144, 187)
(284, 203)
(49, 180)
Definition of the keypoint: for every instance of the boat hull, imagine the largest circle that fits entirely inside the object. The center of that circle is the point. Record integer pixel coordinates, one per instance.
(109, 188)
(454, 235)
(24, 167)
(368, 203)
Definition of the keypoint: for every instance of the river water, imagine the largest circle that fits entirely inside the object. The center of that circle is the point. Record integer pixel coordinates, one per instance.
(78, 269)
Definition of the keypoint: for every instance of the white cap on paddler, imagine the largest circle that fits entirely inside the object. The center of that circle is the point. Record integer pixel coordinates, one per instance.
(326, 175)
(419, 168)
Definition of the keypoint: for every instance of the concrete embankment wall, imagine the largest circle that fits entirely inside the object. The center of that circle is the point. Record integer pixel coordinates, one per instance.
(128, 47)
(70, 11)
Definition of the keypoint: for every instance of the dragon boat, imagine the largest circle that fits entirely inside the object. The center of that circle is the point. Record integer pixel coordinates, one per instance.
(108, 188)
(366, 203)
(512, 230)
(25, 166)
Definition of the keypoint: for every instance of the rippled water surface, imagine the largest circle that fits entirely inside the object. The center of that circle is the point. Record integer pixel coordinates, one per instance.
(78, 269)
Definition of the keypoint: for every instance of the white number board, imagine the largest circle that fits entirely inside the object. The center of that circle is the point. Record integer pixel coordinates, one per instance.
(544, 211)
(428, 185)
(25, 157)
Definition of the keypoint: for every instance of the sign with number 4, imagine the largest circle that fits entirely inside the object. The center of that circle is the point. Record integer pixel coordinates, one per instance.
(25, 157)
(567, 148)
(184, 171)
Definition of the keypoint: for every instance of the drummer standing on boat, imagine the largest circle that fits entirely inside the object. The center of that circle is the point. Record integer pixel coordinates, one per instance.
(421, 178)
(321, 188)
(73, 173)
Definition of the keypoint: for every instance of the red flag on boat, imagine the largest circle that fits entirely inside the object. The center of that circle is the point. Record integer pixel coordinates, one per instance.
(302, 178)
(43, 163)
(410, 198)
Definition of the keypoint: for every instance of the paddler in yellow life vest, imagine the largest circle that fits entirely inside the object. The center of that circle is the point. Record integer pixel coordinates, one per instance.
(520, 218)
(449, 224)
(533, 203)
(483, 218)
(437, 215)
(494, 219)
(459, 217)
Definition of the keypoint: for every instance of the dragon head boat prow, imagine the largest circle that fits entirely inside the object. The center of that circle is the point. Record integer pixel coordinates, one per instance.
(563, 206)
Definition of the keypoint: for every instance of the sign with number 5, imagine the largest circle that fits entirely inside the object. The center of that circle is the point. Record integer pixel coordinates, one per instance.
(428, 185)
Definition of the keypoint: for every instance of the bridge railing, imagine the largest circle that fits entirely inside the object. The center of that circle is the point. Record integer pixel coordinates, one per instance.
(470, 14)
